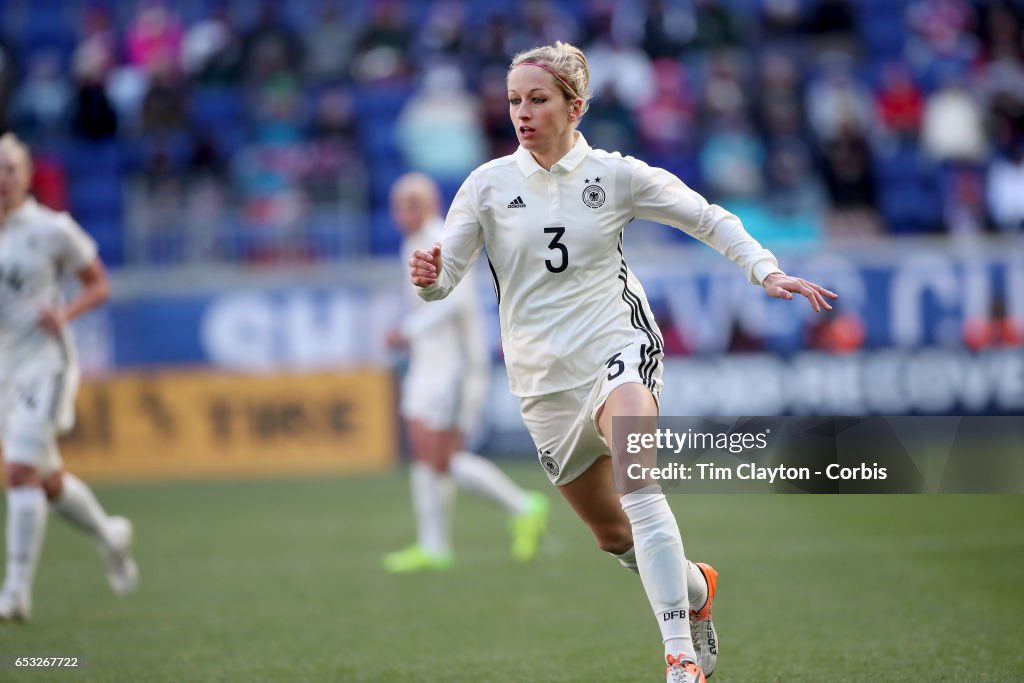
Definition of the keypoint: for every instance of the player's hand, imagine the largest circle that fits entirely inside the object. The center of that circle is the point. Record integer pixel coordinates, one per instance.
(783, 286)
(51, 320)
(425, 265)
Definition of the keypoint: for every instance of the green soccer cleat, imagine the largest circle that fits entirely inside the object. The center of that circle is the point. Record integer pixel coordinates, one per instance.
(529, 527)
(416, 559)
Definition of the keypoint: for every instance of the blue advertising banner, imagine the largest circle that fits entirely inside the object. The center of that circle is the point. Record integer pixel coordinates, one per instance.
(252, 329)
(909, 299)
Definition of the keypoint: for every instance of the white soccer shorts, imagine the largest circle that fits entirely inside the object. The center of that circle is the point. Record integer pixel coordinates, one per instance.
(447, 398)
(564, 424)
(37, 407)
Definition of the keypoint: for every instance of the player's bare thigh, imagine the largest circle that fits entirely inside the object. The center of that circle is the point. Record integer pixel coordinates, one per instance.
(593, 495)
(17, 474)
(637, 410)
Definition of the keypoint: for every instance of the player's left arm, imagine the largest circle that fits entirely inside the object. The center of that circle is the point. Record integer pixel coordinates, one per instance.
(662, 197)
(94, 291)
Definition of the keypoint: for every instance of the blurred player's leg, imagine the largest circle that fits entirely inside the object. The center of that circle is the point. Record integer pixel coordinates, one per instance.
(73, 500)
(433, 496)
(27, 447)
(529, 509)
(483, 477)
(26, 529)
(530, 526)
(122, 572)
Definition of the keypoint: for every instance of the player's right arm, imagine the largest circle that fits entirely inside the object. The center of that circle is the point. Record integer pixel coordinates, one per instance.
(95, 290)
(436, 271)
(77, 253)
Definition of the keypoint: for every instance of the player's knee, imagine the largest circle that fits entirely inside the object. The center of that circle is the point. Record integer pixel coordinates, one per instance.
(18, 474)
(53, 484)
(27, 450)
(613, 538)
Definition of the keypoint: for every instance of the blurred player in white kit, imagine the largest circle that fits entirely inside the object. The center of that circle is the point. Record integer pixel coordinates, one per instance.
(38, 381)
(442, 398)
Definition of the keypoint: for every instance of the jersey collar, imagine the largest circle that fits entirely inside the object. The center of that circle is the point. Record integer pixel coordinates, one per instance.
(528, 165)
(23, 212)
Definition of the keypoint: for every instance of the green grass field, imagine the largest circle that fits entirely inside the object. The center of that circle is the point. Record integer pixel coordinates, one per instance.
(279, 581)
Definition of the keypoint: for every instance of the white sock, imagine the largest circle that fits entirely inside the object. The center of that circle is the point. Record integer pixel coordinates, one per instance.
(482, 476)
(78, 505)
(662, 564)
(696, 586)
(26, 528)
(432, 496)
(628, 560)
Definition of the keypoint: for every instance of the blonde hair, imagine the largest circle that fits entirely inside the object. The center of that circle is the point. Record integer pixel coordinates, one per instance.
(567, 64)
(419, 185)
(9, 142)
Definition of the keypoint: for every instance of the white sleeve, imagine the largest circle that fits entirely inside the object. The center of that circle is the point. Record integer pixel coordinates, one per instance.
(461, 242)
(77, 247)
(659, 196)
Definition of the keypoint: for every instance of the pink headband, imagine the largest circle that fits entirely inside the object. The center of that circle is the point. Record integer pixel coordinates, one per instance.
(552, 72)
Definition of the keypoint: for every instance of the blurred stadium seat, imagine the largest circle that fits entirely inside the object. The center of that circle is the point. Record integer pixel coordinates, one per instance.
(231, 92)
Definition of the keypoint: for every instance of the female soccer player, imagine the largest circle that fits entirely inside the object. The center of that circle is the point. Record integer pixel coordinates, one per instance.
(442, 398)
(581, 344)
(38, 381)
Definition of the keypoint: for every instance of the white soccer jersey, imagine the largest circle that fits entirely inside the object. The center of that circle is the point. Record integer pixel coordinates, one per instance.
(566, 299)
(38, 248)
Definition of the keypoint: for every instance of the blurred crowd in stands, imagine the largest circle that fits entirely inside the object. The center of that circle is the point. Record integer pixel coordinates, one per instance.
(209, 130)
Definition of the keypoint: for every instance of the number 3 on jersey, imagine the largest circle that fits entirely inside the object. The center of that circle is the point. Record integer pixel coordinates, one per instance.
(555, 244)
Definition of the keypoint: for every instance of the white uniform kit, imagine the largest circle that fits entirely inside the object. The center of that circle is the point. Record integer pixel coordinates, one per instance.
(38, 381)
(445, 388)
(38, 370)
(449, 363)
(575, 322)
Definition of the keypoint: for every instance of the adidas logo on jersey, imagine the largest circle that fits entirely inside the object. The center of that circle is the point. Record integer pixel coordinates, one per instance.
(517, 203)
